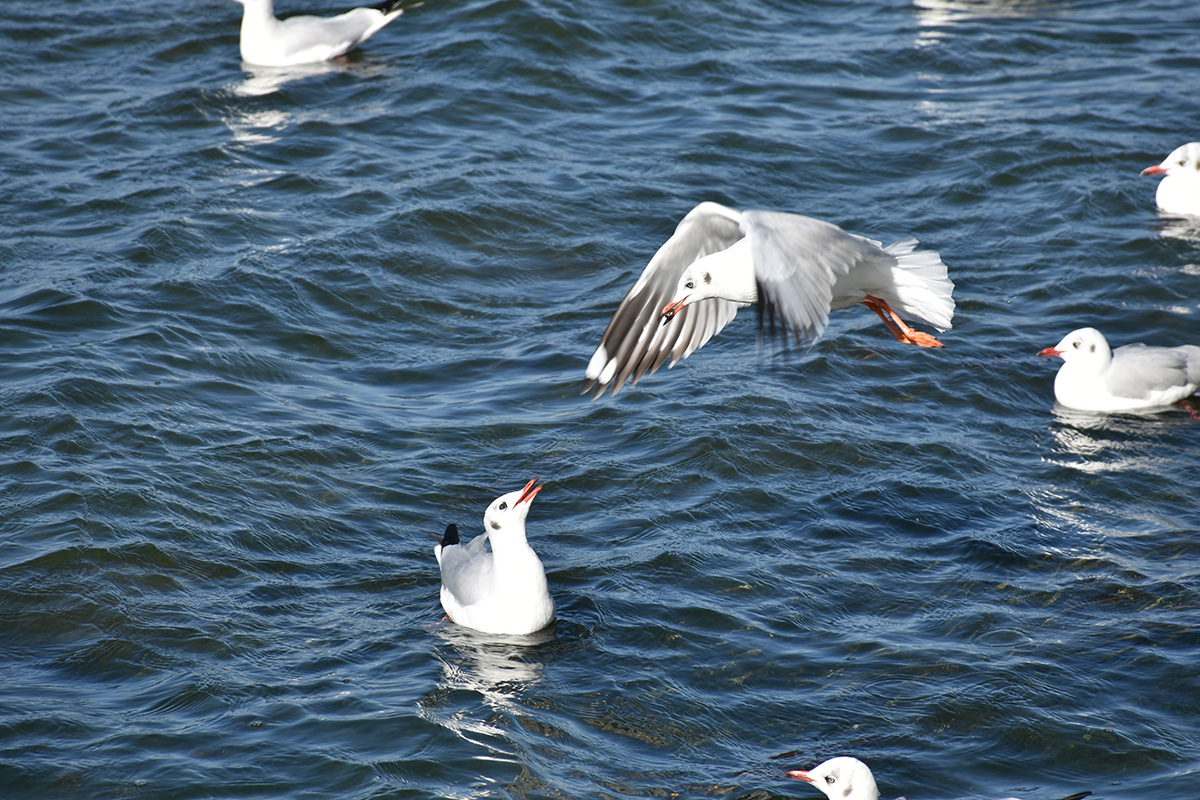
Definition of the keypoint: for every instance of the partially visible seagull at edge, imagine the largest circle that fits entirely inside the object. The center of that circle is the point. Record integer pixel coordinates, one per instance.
(1134, 377)
(796, 268)
(1179, 191)
(271, 42)
(502, 591)
(846, 778)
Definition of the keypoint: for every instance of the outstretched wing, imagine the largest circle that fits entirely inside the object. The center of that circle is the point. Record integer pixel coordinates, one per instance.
(636, 342)
(797, 262)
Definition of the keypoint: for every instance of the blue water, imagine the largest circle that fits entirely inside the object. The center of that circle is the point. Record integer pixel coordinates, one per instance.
(261, 334)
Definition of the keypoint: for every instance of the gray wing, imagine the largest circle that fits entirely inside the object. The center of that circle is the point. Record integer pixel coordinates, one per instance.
(636, 342)
(328, 37)
(466, 569)
(1191, 354)
(1138, 369)
(797, 262)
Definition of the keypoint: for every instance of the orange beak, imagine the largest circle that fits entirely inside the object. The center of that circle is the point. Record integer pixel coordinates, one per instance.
(1157, 169)
(1048, 352)
(671, 309)
(799, 774)
(529, 492)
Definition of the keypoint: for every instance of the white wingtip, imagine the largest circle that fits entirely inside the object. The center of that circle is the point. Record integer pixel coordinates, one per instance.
(596, 365)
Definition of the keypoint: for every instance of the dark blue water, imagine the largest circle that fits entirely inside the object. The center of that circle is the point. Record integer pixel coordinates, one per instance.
(260, 334)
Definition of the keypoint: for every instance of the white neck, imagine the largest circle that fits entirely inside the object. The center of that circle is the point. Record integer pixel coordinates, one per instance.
(1080, 383)
(516, 566)
(258, 10)
(727, 274)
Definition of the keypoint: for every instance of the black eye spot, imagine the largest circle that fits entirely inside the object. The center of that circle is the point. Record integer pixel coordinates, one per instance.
(707, 278)
(495, 526)
(1092, 349)
(504, 506)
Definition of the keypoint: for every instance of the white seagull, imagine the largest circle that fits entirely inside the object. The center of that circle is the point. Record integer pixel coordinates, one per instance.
(1136, 376)
(796, 268)
(1179, 191)
(846, 778)
(271, 42)
(502, 591)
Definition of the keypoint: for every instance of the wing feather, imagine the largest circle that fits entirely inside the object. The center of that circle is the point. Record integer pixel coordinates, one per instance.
(797, 262)
(636, 343)
(466, 570)
(1138, 370)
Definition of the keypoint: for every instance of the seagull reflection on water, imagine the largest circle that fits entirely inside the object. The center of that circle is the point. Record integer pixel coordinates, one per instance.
(1109, 442)
(491, 664)
(262, 81)
(492, 668)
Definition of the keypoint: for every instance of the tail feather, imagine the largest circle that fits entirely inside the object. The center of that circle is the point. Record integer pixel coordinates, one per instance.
(923, 287)
(450, 536)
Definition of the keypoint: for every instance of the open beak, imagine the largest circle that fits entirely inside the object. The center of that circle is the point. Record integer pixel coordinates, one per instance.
(529, 492)
(671, 309)
(1049, 351)
(799, 774)
(1157, 169)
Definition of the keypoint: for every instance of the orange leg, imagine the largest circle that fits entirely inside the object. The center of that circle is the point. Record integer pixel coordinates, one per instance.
(897, 326)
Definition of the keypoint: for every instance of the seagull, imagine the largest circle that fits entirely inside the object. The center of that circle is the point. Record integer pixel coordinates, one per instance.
(795, 268)
(846, 778)
(501, 591)
(1179, 191)
(1136, 376)
(271, 42)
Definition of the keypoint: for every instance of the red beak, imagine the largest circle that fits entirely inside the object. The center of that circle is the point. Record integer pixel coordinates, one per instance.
(799, 774)
(1049, 351)
(1157, 169)
(671, 309)
(529, 492)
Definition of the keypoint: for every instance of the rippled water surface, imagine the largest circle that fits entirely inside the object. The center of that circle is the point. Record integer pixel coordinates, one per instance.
(261, 333)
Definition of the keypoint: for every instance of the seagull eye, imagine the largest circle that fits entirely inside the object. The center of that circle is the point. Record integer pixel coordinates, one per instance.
(1076, 345)
(830, 780)
(690, 285)
(503, 506)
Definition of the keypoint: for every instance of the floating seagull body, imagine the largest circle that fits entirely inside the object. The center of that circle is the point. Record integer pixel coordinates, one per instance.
(1179, 191)
(795, 268)
(502, 591)
(271, 42)
(1130, 378)
(846, 778)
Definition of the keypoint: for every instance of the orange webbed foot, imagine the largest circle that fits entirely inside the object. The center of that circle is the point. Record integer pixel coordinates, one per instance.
(899, 328)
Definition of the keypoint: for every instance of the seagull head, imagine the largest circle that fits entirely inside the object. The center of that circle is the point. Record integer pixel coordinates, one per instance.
(694, 285)
(508, 512)
(1083, 346)
(841, 778)
(725, 274)
(1185, 158)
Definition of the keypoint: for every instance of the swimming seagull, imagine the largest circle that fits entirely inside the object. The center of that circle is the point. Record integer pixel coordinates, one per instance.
(271, 42)
(502, 591)
(1136, 376)
(1179, 191)
(795, 268)
(846, 778)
